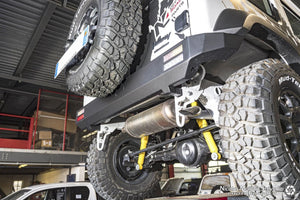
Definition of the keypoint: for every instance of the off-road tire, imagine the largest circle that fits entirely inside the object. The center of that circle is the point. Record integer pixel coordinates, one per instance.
(251, 135)
(107, 180)
(114, 47)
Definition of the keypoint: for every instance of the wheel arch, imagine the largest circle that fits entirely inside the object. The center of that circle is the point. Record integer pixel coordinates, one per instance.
(261, 36)
(283, 46)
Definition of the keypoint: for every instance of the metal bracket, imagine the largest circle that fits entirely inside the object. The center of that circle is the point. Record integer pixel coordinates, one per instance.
(105, 131)
(212, 94)
(189, 95)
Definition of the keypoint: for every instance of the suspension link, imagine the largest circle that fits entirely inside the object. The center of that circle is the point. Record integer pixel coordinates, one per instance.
(213, 148)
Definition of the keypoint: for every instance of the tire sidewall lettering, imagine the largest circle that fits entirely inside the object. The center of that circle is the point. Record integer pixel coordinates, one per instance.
(288, 78)
(282, 82)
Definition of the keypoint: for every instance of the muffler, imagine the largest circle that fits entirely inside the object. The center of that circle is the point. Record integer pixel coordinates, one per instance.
(154, 120)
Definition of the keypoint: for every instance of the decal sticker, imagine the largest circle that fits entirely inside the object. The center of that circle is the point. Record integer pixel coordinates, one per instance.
(173, 62)
(163, 30)
(80, 112)
(173, 53)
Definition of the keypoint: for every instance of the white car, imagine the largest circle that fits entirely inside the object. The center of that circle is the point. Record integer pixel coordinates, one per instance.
(56, 191)
(218, 183)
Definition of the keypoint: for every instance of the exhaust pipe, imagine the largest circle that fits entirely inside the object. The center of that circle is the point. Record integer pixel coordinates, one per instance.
(154, 120)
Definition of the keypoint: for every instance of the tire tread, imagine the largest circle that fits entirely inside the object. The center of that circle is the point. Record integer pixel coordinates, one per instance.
(249, 136)
(107, 64)
(105, 186)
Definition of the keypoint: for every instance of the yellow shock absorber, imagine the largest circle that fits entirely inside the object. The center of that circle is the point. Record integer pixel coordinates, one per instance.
(144, 142)
(213, 148)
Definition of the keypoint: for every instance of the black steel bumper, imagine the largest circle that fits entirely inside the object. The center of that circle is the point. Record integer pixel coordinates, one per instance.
(151, 80)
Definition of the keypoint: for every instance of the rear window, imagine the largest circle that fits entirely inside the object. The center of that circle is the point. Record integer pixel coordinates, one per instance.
(296, 2)
(263, 5)
(294, 21)
(16, 195)
(55, 193)
(79, 193)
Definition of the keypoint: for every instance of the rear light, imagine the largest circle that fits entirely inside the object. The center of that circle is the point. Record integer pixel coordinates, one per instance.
(79, 118)
(80, 115)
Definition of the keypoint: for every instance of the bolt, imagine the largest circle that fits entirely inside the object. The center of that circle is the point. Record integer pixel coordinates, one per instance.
(187, 152)
(137, 167)
(214, 156)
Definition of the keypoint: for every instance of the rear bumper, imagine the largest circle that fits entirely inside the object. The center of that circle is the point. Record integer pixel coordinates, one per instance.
(151, 79)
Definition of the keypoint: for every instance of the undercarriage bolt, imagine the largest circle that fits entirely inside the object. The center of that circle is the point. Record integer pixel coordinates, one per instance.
(214, 156)
(187, 152)
(137, 167)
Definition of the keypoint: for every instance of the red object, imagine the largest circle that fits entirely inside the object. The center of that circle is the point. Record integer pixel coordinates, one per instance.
(204, 169)
(15, 116)
(26, 144)
(66, 120)
(66, 112)
(171, 171)
(36, 116)
(17, 143)
(16, 130)
(13, 143)
(80, 117)
(30, 133)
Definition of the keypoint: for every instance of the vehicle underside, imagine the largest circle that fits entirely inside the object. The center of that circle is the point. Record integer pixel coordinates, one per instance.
(171, 86)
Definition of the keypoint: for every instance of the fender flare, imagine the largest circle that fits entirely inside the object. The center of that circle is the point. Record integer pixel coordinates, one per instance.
(261, 33)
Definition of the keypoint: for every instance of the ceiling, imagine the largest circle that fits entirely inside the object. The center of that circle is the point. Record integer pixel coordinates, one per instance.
(32, 39)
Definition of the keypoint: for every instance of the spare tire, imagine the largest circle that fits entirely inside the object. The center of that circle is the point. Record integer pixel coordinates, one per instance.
(115, 29)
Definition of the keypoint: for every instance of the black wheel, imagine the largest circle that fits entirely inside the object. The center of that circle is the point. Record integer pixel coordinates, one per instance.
(114, 181)
(115, 28)
(260, 121)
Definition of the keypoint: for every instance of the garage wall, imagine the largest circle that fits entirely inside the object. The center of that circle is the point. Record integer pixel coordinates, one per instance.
(60, 175)
(6, 182)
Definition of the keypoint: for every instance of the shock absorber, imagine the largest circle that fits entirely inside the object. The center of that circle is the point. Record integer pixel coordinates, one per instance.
(141, 159)
(213, 148)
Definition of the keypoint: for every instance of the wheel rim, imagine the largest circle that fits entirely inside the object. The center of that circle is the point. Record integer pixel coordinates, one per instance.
(126, 173)
(89, 18)
(289, 117)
